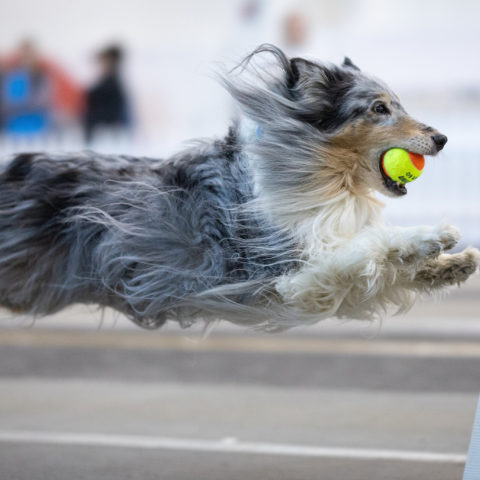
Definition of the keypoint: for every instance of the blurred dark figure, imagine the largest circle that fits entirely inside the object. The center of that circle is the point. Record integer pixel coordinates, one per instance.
(36, 94)
(106, 101)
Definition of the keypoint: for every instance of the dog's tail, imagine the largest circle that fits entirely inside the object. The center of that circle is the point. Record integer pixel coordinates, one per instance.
(35, 192)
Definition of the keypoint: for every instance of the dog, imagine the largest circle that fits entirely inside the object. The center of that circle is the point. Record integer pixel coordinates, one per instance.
(273, 226)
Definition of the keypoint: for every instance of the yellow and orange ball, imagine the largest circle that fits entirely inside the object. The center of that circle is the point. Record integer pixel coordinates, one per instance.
(402, 166)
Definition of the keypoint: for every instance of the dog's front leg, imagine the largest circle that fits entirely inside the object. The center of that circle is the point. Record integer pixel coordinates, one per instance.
(446, 270)
(423, 267)
(377, 268)
(411, 246)
(349, 280)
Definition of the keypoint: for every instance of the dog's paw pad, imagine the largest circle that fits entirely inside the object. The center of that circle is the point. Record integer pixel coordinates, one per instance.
(460, 266)
(471, 261)
(431, 248)
(427, 248)
(416, 253)
(449, 236)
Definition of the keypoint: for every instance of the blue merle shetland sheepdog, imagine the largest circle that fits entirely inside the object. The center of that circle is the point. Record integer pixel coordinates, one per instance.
(275, 225)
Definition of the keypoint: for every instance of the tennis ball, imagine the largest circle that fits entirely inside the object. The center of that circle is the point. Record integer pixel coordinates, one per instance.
(402, 166)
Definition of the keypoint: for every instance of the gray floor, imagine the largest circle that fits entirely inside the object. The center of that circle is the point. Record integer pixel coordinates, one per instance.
(411, 388)
(67, 463)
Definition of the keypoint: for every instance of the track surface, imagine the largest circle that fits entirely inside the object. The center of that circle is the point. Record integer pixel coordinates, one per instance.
(329, 402)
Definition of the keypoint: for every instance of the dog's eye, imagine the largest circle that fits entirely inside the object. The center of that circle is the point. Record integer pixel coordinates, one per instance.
(381, 109)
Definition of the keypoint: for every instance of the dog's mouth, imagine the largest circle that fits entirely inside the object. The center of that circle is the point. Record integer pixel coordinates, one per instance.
(397, 188)
(392, 186)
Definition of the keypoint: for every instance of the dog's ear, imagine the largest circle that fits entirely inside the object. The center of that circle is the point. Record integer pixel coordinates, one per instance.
(300, 68)
(349, 64)
(301, 71)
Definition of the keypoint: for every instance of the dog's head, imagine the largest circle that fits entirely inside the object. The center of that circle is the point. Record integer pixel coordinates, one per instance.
(364, 119)
(340, 119)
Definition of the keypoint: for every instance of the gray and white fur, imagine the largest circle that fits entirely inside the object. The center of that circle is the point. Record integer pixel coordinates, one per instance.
(275, 225)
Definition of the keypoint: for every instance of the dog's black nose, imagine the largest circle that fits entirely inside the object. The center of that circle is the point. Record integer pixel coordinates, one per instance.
(439, 140)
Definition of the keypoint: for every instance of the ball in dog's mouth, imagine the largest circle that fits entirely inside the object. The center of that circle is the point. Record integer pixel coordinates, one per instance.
(400, 166)
(396, 188)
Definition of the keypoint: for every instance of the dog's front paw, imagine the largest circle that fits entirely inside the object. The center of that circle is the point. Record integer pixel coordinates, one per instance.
(449, 269)
(420, 244)
(449, 236)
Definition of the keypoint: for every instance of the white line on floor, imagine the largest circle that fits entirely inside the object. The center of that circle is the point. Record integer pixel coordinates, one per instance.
(228, 445)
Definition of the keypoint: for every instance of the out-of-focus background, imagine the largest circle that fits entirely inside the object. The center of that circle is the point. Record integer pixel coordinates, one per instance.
(56, 85)
(86, 395)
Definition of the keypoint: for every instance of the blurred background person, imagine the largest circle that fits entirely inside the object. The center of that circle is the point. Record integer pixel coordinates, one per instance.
(106, 100)
(26, 93)
(38, 96)
(295, 30)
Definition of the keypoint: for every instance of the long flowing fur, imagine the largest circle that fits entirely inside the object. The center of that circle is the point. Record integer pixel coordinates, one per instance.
(274, 226)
